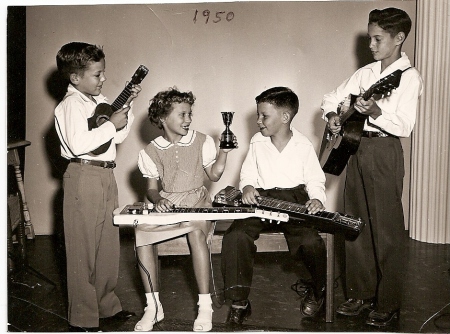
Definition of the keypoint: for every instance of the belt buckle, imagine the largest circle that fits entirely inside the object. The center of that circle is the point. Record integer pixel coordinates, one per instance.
(382, 134)
(108, 164)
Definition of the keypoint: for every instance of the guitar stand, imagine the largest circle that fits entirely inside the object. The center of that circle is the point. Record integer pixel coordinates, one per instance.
(24, 267)
(17, 259)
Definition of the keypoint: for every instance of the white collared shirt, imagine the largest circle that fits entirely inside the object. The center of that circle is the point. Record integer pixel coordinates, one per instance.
(71, 124)
(265, 167)
(398, 110)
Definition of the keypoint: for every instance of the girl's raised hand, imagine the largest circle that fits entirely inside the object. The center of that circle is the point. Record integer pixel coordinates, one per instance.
(226, 150)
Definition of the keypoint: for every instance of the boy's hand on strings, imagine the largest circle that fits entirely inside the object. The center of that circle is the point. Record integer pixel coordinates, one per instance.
(120, 118)
(369, 107)
(334, 123)
(314, 206)
(250, 195)
(164, 205)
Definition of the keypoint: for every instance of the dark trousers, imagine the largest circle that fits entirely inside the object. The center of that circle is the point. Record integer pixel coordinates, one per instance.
(373, 191)
(239, 249)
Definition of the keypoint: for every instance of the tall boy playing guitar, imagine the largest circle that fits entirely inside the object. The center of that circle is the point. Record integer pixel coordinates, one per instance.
(374, 183)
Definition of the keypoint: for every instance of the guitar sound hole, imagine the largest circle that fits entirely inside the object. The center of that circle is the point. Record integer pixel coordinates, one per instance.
(102, 119)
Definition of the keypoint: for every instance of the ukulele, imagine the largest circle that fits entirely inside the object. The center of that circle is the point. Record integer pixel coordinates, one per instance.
(103, 111)
(336, 149)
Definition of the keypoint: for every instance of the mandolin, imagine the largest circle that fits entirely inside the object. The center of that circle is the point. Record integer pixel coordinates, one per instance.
(336, 149)
(103, 111)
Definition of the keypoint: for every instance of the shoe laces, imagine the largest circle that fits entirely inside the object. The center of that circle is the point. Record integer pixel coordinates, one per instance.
(303, 287)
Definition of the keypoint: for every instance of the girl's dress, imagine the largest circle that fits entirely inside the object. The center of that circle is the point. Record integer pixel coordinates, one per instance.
(180, 167)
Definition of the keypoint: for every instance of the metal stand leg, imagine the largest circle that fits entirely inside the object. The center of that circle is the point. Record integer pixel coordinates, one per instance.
(329, 312)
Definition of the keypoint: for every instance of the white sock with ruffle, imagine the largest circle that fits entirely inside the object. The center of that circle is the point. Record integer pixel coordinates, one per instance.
(203, 323)
(153, 313)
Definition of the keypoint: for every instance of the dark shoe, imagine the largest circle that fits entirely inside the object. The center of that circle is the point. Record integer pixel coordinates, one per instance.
(239, 313)
(83, 329)
(382, 319)
(311, 305)
(121, 316)
(355, 306)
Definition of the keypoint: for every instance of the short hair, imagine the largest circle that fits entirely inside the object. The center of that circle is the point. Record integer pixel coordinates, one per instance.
(281, 97)
(161, 104)
(392, 20)
(75, 57)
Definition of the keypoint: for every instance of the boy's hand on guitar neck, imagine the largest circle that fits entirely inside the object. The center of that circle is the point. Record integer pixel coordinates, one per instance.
(314, 206)
(368, 108)
(120, 117)
(250, 195)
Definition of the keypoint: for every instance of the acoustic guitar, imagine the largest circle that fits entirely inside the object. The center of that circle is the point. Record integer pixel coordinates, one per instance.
(336, 149)
(103, 111)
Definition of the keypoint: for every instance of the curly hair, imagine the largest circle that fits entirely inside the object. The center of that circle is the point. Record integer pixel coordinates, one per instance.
(75, 57)
(161, 104)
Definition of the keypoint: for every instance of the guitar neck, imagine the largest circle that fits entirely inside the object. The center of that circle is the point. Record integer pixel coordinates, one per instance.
(122, 98)
(140, 216)
(295, 210)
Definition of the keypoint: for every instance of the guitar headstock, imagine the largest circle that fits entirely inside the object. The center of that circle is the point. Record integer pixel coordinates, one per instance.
(276, 216)
(139, 75)
(385, 85)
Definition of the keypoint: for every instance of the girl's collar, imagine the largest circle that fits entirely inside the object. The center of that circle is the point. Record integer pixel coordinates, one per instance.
(187, 140)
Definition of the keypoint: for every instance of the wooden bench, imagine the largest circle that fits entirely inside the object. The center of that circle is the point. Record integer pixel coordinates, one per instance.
(267, 242)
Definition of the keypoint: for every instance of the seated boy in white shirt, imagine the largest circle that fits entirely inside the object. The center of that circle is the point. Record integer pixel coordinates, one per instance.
(281, 163)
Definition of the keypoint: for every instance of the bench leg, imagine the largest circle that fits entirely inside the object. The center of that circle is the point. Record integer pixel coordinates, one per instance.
(329, 298)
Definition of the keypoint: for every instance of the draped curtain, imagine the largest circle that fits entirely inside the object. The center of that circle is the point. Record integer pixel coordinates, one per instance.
(430, 198)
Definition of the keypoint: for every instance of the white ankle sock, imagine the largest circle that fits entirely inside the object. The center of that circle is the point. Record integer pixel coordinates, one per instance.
(204, 299)
(151, 297)
(203, 323)
(153, 313)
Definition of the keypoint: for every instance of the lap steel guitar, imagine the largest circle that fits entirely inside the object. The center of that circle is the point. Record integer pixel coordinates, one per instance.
(327, 222)
(139, 213)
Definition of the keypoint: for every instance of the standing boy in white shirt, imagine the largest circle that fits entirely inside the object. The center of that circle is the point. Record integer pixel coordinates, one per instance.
(90, 189)
(374, 183)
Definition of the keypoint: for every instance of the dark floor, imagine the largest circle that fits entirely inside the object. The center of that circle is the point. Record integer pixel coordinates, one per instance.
(36, 306)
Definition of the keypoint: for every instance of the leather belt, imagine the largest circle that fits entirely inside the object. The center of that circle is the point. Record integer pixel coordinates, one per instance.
(98, 163)
(375, 134)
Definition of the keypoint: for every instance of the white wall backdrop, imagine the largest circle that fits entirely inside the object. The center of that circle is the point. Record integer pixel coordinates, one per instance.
(310, 47)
